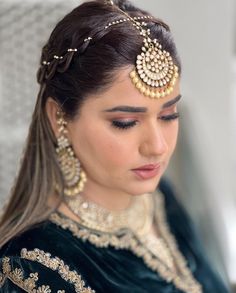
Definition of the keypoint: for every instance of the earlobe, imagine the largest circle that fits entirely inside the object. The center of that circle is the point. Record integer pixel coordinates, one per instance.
(52, 109)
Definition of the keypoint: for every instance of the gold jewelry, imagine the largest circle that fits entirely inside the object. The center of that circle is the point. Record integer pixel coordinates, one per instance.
(73, 174)
(138, 216)
(155, 73)
(108, 2)
(47, 63)
(161, 255)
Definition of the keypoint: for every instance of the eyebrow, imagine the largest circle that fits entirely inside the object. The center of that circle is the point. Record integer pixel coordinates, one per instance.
(132, 109)
(171, 102)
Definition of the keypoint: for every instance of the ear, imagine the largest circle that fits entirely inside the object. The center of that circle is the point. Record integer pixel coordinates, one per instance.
(52, 108)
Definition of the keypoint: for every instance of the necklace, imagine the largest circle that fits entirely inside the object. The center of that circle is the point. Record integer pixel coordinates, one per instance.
(137, 217)
(130, 229)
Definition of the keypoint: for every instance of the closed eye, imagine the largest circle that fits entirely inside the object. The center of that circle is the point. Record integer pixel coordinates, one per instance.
(168, 118)
(123, 124)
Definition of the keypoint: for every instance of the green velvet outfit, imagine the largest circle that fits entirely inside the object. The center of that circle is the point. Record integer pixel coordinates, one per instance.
(55, 258)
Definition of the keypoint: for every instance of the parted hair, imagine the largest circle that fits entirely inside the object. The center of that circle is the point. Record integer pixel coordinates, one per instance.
(69, 80)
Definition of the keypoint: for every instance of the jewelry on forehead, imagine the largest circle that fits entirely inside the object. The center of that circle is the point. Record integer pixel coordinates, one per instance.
(155, 73)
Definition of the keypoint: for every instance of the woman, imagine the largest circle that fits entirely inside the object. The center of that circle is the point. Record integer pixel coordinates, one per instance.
(84, 215)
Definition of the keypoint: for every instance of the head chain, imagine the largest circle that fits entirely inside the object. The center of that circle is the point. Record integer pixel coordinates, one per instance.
(155, 73)
(59, 63)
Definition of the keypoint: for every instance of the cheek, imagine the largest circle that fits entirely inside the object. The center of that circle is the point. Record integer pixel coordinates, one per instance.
(172, 135)
(102, 146)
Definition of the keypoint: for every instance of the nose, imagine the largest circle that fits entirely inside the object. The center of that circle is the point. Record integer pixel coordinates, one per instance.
(153, 141)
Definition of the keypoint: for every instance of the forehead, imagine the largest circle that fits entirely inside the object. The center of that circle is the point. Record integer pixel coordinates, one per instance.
(123, 92)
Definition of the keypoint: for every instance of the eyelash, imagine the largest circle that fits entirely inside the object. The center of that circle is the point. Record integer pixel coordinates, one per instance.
(168, 118)
(125, 125)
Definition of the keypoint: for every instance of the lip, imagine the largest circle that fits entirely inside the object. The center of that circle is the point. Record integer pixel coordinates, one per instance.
(147, 171)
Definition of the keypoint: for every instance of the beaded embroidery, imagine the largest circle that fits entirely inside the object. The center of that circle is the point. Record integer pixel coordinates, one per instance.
(182, 279)
(17, 277)
(56, 264)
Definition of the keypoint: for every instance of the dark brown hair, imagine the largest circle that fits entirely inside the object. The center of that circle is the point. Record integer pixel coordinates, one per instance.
(69, 81)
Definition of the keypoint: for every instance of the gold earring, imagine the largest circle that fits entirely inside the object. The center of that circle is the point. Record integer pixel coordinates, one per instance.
(73, 174)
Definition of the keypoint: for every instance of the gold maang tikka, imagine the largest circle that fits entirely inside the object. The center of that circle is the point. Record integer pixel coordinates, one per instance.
(74, 176)
(155, 73)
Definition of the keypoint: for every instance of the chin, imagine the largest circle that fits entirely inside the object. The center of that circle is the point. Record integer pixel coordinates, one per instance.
(143, 187)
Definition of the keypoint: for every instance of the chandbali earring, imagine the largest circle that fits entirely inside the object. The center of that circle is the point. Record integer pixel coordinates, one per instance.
(74, 176)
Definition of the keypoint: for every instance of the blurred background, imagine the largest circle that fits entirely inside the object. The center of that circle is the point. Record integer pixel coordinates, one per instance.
(204, 166)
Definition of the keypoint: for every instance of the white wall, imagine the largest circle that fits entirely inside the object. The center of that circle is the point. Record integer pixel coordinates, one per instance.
(206, 158)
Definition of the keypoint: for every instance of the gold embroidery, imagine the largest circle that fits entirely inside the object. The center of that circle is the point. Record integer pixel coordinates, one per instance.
(182, 279)
(56, 264)
(96, 217)
(17, 277)
(45, 289)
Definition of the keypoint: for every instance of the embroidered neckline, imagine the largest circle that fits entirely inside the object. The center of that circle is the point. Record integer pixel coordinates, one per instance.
(126, 239)
(96, 217)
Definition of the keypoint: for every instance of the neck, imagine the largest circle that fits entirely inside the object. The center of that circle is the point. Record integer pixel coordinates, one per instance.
(109, 210)
(110, 199)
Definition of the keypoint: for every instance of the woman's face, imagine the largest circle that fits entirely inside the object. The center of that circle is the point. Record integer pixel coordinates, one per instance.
(123, 139)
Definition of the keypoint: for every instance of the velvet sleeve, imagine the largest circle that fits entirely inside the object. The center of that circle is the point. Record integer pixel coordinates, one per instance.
(40, 273)
(21, 275)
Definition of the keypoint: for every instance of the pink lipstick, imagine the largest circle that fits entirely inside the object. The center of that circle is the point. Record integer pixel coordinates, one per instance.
(147, 171)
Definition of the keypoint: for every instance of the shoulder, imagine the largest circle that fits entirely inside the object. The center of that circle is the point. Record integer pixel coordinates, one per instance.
(177, 217)
(188, 240)
(171, 201)
(173, 207)
(31, 262)
(43, 235)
